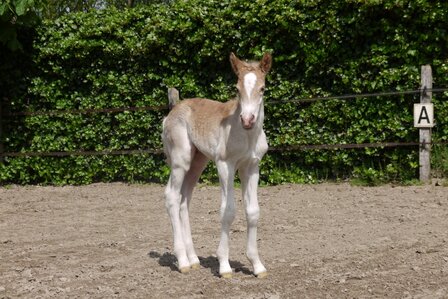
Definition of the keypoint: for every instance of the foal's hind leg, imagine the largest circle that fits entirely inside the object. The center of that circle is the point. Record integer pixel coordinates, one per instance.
(191, 178)
(179, 151)
(172, 202)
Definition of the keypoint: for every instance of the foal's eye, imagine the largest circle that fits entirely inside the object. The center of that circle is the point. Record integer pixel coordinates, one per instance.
(262, 89)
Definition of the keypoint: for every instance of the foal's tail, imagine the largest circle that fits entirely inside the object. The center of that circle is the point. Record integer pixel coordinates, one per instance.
(173, 97)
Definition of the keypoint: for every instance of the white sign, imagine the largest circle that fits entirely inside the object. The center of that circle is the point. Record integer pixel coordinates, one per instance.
(423, 115)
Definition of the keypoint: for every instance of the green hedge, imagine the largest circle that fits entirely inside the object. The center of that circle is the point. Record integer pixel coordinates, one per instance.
(110, 58)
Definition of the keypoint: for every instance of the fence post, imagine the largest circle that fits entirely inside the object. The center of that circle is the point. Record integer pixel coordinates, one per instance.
(425, 133)
(1, 133)
(2, 148)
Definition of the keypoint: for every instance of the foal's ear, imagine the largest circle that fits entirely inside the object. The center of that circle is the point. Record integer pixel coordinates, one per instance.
(236, 63)
(266, 63)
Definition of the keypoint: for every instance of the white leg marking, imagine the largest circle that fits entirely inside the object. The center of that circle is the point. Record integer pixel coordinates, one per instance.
(226, 174)
(249, 175)
(173, 202)
(197, 166)
(180, 154)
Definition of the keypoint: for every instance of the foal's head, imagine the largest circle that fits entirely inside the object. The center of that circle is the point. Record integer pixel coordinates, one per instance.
(251, 77)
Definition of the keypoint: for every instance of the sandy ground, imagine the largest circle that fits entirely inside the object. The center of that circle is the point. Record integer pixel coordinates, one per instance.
(317, 241)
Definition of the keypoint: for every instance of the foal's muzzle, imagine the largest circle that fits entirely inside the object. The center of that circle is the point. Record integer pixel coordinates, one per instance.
(247, 121)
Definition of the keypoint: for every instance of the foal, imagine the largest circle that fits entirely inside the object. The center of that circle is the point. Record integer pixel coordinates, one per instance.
(231, 134)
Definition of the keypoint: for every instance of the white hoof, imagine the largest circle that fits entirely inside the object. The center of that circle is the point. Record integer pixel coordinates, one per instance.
(226, 275)
(262, 275)
(195, 266)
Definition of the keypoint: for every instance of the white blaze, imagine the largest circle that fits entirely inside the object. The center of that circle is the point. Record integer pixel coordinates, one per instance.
(249, 106)
(249, 83)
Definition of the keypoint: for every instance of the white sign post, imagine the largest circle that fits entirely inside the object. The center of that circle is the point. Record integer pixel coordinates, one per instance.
(424, 120)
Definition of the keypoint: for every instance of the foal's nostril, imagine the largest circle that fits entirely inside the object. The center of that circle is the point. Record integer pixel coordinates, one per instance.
(250, 118)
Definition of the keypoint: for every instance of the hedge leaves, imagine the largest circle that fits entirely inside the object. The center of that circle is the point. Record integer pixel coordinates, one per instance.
(110, 58)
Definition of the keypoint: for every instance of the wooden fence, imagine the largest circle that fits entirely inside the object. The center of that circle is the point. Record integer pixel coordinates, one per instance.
(424, 144)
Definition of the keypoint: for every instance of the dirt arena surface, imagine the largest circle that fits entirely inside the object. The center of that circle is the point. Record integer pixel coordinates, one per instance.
(317, 241)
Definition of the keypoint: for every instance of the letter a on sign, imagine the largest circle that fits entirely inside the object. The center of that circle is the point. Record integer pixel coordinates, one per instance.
(423, 115)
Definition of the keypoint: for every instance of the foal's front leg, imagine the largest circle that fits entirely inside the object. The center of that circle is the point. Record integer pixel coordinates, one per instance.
(249, 175)
(226, 173)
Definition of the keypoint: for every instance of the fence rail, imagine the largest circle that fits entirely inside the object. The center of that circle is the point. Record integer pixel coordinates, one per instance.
(84, 153)
(165, 107)
(362, 95)
(351, 146)
(284, 148)
(87, 111)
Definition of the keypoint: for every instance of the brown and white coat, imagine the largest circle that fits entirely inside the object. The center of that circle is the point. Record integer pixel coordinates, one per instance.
(231, 134)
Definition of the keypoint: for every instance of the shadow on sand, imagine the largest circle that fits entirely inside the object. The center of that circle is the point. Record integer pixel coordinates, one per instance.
(169, 260)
